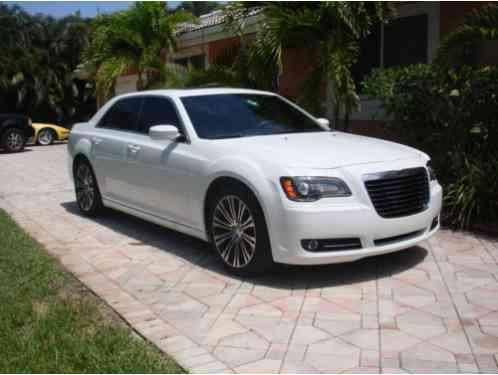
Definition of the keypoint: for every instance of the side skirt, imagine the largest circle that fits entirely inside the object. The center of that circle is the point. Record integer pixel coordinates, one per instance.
(194, 232)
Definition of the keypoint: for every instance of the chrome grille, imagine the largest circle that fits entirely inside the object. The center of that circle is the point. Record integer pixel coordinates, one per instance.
(398, 193)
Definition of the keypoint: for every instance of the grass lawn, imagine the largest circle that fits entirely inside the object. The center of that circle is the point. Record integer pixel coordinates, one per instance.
(49, 322)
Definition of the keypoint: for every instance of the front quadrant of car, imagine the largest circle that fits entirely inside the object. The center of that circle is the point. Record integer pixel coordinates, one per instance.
(255, 175)
(392, 207)
(46, 134)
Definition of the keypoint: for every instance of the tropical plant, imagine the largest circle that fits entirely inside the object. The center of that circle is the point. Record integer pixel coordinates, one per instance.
(462, 45)
(452, 114)
(472, 198)
(198, 8)
(328, 31)
(132, 41)
(236, 66)
(38, 57)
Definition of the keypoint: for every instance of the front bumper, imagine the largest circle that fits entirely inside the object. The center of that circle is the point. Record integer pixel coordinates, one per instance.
(350, 220)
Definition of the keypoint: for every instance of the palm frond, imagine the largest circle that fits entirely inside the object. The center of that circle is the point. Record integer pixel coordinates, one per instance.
(109, 71)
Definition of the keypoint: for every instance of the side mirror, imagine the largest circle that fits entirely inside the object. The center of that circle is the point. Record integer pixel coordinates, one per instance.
(164, 132)
(323, 122)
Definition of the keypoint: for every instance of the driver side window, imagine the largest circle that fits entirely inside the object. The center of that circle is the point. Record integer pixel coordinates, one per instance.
(157, 111)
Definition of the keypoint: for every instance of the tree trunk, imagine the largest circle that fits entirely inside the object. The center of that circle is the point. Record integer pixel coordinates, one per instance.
(140, 81)
(336, 114)
(346, 119)
(331, 110)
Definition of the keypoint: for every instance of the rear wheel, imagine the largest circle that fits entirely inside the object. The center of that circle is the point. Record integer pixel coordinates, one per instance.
(13, 140)
(46, 137)
(238, 231)
(87, 191)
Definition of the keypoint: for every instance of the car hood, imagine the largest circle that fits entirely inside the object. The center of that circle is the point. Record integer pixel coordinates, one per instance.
(321, 149)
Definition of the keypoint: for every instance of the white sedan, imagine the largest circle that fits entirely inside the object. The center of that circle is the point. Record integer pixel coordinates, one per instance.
(255, 175)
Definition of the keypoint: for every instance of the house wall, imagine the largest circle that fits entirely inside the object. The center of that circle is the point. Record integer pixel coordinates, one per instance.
(218, 47)
(454, 12)
(126, 84)
(297, 65)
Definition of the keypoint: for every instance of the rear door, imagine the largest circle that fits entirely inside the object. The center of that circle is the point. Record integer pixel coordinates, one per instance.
(113, 133)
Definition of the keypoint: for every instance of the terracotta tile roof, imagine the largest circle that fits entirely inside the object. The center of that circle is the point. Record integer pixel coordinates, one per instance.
(207, 20)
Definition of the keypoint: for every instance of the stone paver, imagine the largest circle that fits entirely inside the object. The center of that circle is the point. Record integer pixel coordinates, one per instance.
(431, 308)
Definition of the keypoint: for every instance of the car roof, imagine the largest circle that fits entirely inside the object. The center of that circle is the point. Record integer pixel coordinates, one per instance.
(179, 93)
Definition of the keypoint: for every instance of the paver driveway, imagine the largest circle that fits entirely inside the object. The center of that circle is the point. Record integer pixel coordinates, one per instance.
(430, 308)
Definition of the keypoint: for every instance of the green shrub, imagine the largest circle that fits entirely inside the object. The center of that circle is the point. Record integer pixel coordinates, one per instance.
(473, 197)
(452, 114)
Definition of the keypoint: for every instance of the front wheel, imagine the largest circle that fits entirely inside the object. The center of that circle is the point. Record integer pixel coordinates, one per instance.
(13, 140)
(87, 191)
(238, 232)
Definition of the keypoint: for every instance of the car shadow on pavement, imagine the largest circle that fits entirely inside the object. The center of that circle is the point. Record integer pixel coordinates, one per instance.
(199, 253)
(3, 152)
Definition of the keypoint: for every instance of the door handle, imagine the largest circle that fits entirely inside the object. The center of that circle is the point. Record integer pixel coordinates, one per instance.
(133, 148)
(96, 140)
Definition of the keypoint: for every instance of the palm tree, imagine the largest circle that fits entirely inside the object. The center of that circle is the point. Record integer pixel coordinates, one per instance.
(329, 31)
(198, 8)
(132, 40)
(38, 56)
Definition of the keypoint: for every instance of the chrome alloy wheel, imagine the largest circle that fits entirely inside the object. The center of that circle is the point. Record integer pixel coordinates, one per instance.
(234, 231)
(14, 141)
(85, 187)
(45, 137)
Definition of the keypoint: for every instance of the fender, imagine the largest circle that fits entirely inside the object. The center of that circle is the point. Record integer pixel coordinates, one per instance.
(249, 173)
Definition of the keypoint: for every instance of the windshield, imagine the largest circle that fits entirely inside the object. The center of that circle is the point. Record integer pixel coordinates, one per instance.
(242, 115)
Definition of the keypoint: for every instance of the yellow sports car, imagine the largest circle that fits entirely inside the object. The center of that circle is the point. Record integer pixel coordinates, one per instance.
(46, 134)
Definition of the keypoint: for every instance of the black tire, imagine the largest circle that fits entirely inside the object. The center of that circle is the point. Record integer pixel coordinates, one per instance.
(87, 190)
(13, 140)
(260, 257)
(47, 136)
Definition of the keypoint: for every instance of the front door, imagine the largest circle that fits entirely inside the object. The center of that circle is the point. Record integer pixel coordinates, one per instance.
(162, 172)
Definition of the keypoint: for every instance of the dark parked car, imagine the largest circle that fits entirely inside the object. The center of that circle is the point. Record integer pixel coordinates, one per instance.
(14, 132)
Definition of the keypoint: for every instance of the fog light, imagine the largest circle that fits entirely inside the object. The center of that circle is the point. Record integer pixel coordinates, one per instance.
(313, 245)
(310, 245)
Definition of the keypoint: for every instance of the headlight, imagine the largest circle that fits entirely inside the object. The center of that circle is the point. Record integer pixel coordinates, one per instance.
(308, 189)
(432, 175)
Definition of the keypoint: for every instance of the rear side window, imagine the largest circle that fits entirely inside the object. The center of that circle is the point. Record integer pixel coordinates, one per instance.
(123, 115)
(157, 111)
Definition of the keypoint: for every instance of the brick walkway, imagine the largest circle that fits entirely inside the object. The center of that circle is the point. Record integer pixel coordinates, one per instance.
(428, 309)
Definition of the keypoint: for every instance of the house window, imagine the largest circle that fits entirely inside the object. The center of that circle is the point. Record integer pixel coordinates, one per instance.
(197, 61)
(403, 41)
(369, 56)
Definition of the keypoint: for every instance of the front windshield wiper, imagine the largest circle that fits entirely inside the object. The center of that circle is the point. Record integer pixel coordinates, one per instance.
(261, 133)
(223, 136)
